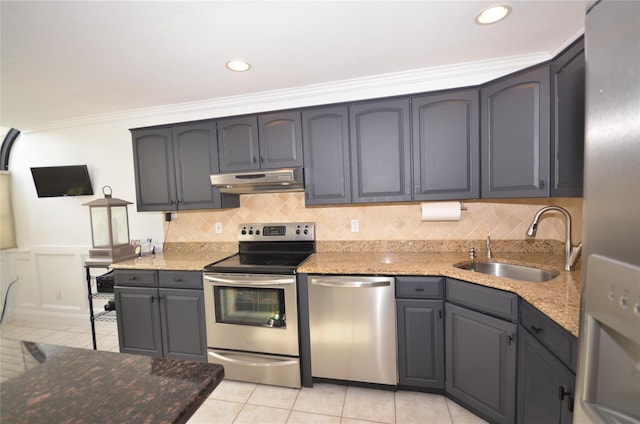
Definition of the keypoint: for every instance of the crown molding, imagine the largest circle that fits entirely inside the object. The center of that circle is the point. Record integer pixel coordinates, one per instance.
(370, 87)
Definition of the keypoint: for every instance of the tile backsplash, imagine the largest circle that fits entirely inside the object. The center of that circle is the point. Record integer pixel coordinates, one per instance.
(500, 219)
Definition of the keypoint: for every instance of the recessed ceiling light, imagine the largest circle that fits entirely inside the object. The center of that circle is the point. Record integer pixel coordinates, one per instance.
(237, 65)
(493, 14)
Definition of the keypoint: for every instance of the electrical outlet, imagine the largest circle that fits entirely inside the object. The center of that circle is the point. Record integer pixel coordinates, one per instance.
(218, 227)
(355, 225)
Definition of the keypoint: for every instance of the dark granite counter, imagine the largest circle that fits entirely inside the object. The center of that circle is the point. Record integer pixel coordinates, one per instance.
(55, 384)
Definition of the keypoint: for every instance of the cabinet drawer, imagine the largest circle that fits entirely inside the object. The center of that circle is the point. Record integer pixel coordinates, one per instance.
(180, 279)
(559, 341)
(483, 299)
(419, 287)
(136, 278)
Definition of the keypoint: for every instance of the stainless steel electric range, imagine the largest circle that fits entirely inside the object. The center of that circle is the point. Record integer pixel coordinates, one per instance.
(251, 304)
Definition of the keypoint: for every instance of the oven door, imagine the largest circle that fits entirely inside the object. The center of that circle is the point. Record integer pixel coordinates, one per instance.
(252, 313)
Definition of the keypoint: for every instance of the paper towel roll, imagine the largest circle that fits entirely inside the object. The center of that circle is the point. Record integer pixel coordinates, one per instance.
(441, 211)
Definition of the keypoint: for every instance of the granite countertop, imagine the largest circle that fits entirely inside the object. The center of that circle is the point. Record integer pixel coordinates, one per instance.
(48, 383)
(173, 261)
(558, 298)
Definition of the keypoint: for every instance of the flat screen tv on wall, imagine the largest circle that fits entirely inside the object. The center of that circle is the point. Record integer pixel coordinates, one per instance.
(54, 181)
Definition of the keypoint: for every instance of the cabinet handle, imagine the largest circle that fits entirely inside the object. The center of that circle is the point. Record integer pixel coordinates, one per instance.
(440, 313)
(253, 160)
(132, 279)
(541, 183)
(261, 159)
(562, 393)
(172, 202)
(510, 339)
(535, 329)
(153, 298)
(177, 279)
(419, 289)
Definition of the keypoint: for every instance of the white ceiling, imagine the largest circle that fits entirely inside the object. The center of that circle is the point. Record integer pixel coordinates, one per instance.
(67, 59)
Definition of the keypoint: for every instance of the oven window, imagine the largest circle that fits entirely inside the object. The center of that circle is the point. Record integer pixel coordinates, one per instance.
(261, 307)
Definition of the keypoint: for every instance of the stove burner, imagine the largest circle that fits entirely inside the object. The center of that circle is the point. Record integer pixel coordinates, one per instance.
(264, 250)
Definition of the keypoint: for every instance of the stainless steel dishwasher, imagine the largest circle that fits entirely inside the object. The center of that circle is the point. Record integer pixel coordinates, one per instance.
(352, 322)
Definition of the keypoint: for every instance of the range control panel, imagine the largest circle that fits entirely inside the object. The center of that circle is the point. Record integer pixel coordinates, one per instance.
(289, 231)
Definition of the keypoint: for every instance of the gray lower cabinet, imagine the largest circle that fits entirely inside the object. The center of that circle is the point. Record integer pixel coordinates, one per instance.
(546, 386)
(481, 349)
(515, 135)
(265, 141)
(546, 369)
(420, 309)
(446, 145)
(325, 136)
(161, 314)
(172, 168)
(380, 140)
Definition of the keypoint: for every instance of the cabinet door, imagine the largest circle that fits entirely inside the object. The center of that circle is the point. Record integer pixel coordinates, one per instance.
(545, 386)
(380, 151)
(515, 136)
(238, 144)
(280, 136)
(183, 329)
(446, 146)
(154, 170)
(567, 122)
(138, 320)
(325, 135)
(196, 157)
(481, 355)
(421, 343)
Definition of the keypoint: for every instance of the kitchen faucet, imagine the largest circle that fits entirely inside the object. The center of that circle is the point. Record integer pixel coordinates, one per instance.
(571, 253)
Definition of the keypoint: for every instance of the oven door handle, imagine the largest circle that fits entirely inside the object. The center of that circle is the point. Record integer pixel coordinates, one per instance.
(229, 358)
(244, 280)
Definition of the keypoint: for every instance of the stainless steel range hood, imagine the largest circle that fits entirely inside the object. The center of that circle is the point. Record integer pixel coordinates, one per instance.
(267, 181)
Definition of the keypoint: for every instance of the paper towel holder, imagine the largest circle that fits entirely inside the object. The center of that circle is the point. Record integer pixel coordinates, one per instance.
(462, 206)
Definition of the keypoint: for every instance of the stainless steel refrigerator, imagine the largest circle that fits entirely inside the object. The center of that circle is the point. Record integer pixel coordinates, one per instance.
(608, 379)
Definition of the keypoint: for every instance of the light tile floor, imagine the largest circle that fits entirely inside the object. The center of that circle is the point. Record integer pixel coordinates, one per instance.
(237, 402)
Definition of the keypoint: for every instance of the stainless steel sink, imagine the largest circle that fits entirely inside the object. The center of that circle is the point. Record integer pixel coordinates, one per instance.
(517, 272)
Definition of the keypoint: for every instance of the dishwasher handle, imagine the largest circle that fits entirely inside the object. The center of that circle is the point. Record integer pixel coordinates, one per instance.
(354, 281)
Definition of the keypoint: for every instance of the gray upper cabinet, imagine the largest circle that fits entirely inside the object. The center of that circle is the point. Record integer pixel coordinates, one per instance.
(266, 141)
(446, 146)
(280, 136)
(380, 140)
(567, 122)
(172, 168)
(238, 144)
(154, 169)
(515, 135)
(325, 135)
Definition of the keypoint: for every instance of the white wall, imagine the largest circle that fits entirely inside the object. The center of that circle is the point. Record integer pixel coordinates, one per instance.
(54, 233)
